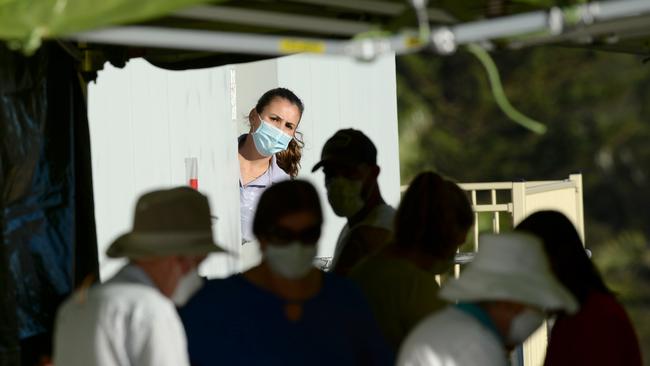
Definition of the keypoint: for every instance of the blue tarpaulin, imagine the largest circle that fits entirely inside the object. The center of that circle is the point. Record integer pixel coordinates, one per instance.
(47, 223)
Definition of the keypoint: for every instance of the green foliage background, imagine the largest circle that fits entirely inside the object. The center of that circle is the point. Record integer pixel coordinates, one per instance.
(596, 106)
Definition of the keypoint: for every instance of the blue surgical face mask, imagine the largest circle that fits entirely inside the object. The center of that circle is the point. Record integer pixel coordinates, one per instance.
(269, 139)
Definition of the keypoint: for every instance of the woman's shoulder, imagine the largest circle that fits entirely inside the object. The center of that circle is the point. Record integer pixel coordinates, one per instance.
(277, 174)
(598, 308)
(599, 303)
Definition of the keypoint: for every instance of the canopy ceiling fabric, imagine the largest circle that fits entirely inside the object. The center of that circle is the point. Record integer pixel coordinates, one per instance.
(25, 22)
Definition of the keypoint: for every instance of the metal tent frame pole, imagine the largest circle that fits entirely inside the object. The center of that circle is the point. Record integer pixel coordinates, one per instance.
(246, 43)
(551, 25)
(544, 26)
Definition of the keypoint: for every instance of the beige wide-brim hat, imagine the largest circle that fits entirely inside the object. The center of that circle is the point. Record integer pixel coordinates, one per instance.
(168, 222)
(511, 267)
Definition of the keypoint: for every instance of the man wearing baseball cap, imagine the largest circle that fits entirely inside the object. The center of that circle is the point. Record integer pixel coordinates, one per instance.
(503, 297)
(131, 319)
(349, 162)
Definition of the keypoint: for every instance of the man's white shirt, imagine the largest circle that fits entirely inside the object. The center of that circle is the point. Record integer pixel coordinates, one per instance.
(123, 322)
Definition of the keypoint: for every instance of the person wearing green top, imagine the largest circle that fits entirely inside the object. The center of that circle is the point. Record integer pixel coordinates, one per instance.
(432, 221)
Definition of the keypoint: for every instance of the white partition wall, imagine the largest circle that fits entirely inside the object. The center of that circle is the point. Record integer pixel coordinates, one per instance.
(144, 122)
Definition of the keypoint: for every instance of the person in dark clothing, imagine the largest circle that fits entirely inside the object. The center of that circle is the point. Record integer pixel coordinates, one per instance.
(284, 311)
(600, 333)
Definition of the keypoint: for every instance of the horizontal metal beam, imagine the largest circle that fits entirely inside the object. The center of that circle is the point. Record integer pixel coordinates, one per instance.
(540, 26)
(444, 39)
(500, 27)
(618, 9)
(612, 30)
(215, 41)
(271, 19)
(246, 43)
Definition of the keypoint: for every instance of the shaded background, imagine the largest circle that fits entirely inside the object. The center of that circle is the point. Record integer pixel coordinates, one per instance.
(595, 105)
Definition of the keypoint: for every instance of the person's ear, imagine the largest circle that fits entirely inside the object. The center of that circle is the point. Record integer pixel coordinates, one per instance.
(263, 243)
(254, 119)
(370, 173)
(374, 171)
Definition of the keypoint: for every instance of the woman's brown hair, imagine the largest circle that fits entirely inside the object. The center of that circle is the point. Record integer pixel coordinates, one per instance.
(289, 159)
(566, 253)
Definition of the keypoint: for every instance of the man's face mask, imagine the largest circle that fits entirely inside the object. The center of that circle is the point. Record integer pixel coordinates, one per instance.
(269, 139)
(523, 325)
(292, 260)
(187, 286)
(344, 195)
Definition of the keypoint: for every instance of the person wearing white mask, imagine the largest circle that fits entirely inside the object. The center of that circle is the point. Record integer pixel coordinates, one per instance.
(131, 319)
(503, 296)
(270, 152)
(284, 311)
(349, 162)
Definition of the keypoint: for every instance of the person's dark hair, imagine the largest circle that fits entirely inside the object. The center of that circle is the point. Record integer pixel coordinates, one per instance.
(284, 198)
(289, 159)
(433, 213)
(566, 253)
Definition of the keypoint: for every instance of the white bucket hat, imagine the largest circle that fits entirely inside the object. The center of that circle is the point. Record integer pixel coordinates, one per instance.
(168, 222)
(511, 267)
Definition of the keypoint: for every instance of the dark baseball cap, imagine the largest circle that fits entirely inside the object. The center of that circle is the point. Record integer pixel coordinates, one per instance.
(348, 146)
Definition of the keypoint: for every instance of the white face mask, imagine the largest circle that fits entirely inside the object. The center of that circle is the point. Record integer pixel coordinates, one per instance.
(187, 286)
(292, 261)
(344, 195)
(523, 325)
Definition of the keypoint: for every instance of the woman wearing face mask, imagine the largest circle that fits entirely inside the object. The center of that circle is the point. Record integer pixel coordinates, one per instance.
(431, 222)
(284, 311)
(600, 333)
(270, 152)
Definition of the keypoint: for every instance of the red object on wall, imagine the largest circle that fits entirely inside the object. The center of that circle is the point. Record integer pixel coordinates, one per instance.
(192, 172)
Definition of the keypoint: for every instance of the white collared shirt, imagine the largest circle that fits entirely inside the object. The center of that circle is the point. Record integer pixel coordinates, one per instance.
(123, 322)
(451, 337)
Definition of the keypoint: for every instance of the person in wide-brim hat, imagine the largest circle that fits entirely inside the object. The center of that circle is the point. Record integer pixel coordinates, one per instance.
(132, 318)
(510, 267)
(168, 222)
(502, 297)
